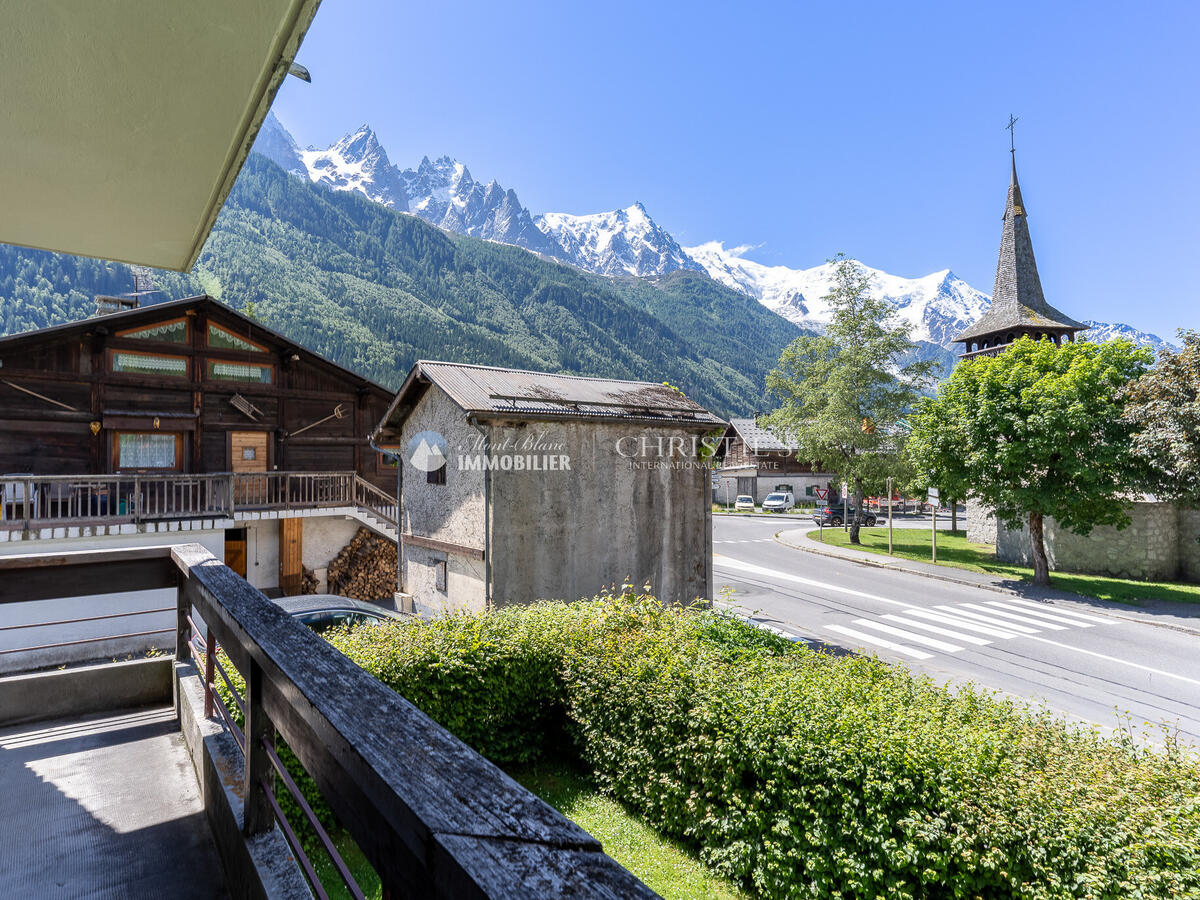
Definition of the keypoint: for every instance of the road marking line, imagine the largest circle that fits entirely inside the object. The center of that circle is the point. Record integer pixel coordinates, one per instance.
(975, 617)
(909, 636)
(1072, 623)
(1028, 621)
(968, 638)
(728, 562)
(959, 623)
(1123, 662)
(1059, 611)
(878, 641)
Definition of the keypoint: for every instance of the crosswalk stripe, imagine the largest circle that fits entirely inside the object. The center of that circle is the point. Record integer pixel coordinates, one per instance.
(987, 620)
(1038, 614)
(968, 638)
(909, 636)
(1029, 621)
(1059, 611)
(960, 623)
(879, 642)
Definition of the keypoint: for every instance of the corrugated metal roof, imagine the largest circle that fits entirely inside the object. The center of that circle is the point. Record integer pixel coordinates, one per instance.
(761, 440)
(496, 392)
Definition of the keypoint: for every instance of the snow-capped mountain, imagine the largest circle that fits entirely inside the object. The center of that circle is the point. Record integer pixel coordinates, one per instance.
(628, 241)
(276, 144)
(444, 193)
(358, 162)
(1100, 331)
(622, 242)
(937, 306)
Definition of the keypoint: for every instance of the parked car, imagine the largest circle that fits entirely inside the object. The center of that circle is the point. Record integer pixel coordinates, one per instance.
(779, 501)
(832, 515)
(744, 501)
(320, 612)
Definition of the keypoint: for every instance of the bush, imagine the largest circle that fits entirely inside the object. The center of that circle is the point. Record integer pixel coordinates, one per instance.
(802, 774)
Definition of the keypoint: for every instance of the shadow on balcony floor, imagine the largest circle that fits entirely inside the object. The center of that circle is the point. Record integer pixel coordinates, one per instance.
(104, 806)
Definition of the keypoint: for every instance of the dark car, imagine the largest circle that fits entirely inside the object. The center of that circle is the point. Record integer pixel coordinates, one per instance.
(320, 612)
(832, 515)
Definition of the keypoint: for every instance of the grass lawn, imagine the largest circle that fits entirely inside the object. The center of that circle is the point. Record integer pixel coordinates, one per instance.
(672, 871)
(953, 549)
(663, 865)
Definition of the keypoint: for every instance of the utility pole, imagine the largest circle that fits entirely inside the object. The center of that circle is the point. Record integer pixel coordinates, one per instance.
(889, 493)
(933, 543)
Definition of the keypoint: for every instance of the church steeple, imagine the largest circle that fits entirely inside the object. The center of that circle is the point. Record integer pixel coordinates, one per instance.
(1018, 305)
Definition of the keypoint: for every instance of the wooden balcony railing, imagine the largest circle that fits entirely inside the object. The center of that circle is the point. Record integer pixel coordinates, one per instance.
(432, 816)
(40, 501)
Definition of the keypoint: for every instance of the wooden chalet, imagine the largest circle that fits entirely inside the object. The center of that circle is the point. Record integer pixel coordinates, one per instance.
(757, 461)
(184, 412)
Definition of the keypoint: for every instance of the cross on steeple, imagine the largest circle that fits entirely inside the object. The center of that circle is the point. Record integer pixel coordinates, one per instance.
(1012, 134)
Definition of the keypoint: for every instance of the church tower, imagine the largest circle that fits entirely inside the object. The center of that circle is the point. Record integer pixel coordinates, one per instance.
(1018, 305)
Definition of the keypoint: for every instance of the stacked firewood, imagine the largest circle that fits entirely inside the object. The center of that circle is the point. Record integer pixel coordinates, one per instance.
(365, 569)
(309, 582)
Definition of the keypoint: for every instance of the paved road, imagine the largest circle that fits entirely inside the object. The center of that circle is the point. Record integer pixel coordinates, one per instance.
(898, 521)
(1070, 656)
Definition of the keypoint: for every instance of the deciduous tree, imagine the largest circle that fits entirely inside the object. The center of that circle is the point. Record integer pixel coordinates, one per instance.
(843, 394)
(1164, 406)
(1036, 431)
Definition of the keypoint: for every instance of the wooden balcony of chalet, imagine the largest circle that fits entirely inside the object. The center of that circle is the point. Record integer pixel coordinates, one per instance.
(62, 506)
(138, 779)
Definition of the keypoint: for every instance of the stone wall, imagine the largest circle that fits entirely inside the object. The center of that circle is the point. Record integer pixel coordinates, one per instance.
(1189, 544)
(1160, 544)
(981, 524)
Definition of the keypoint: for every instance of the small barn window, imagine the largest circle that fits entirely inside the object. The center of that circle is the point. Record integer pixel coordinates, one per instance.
(236, 371)
(437, 476)
(227, 340)
(439, 575)
(148, 363)
(173, 332)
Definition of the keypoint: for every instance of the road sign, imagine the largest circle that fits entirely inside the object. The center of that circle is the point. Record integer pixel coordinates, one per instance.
(822, 493)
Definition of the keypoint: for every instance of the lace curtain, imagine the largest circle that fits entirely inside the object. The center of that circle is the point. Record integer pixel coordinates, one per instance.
(146, 451)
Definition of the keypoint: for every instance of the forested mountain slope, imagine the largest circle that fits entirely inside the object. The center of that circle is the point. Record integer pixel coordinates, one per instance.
(375, 290)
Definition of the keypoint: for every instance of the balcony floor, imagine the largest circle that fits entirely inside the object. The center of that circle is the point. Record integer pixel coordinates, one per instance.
(103, 806)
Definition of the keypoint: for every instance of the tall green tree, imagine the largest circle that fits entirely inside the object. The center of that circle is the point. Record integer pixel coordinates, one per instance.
(843, 394)
(1036, 431)
(1164, 407)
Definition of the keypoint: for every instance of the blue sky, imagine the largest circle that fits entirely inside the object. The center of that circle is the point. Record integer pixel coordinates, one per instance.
(876, 129)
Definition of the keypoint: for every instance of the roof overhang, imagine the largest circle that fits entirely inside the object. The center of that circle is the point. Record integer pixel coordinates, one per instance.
(125, 124)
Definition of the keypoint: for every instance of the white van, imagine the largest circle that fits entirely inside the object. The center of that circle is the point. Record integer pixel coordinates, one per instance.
(779, 501)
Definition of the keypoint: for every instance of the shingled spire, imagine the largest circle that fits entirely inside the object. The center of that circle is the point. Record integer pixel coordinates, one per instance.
(1018, 305)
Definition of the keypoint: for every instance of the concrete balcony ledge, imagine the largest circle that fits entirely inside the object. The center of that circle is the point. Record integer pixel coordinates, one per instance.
(85, 690)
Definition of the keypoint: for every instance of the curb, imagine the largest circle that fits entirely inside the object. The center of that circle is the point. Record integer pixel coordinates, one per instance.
(1053, 593)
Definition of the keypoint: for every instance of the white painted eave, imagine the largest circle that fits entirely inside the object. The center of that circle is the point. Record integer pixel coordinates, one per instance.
(123, 124)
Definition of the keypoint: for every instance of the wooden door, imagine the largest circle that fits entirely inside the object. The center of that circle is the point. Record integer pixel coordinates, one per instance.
(248, 454)
(235, 550)
(291, 552)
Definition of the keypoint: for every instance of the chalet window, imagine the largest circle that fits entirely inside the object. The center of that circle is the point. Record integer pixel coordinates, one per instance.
(135, 363)
(225, 339)
(437, 476)
(148, 450)
(237, 371)
(174, 332)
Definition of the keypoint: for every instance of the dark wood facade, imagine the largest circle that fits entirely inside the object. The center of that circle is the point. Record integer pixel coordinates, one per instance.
(189, 386)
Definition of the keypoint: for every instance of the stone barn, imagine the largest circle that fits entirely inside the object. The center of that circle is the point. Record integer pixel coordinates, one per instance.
(516, 486)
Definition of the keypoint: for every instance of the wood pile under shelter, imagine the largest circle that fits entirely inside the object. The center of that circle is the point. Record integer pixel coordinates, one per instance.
(365, 569)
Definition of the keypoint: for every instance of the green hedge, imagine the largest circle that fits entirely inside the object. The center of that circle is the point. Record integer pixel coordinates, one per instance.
(801, 774)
